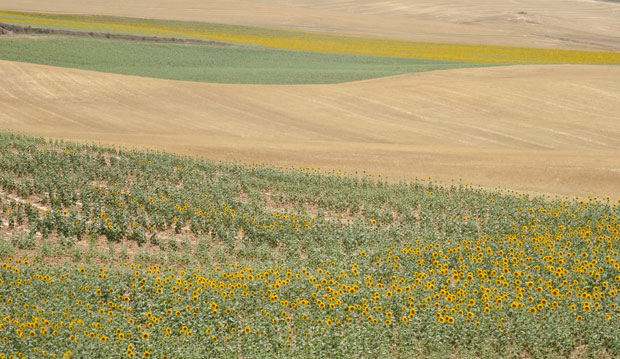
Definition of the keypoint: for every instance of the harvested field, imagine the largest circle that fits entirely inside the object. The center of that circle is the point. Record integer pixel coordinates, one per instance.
(571, 24)
(551, 129)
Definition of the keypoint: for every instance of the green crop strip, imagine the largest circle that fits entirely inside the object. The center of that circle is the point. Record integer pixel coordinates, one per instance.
(208, 63)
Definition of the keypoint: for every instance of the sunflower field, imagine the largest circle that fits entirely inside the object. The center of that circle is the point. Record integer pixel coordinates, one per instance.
(116, 253)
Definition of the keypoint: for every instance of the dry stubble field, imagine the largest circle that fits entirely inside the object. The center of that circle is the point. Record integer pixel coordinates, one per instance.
(550, 129)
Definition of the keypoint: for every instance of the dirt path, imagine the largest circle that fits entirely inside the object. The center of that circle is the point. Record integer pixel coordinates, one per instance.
(571, 24)
(12, 197)
(17, 31)
(553, 129)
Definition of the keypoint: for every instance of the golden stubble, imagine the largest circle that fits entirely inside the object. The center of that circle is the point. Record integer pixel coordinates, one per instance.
(544, 129)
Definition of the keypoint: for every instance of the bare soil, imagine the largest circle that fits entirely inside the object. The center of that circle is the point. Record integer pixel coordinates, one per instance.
(27, 31)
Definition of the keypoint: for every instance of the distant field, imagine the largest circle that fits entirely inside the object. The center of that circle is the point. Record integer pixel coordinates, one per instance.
(551, 129)
(314, 42)
(555, 24)
(207, 63)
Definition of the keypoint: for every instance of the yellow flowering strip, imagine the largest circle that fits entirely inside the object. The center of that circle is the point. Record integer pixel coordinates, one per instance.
(316, 42)
(561, 277)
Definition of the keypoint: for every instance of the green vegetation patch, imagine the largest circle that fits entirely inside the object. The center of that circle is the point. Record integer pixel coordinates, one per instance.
(208, 63)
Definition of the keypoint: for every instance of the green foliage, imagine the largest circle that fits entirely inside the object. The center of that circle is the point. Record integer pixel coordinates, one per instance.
(6, 249)
(23, 241)
(208, 63)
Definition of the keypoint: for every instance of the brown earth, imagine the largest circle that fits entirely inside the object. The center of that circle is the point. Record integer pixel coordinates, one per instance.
(571, 24)
(552, 129)
(24, 32)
